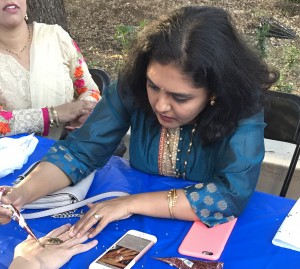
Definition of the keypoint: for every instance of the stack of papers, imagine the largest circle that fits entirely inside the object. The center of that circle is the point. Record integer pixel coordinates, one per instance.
(288, 235)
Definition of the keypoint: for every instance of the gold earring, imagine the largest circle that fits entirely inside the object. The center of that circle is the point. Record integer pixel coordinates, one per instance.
(26, 18)
(212, 101)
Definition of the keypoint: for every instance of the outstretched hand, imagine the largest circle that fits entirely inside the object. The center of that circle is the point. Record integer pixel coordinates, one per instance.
(102, 214)
(29, 254)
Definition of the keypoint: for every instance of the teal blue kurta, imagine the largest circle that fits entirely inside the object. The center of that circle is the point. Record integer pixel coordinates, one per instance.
(225, 173)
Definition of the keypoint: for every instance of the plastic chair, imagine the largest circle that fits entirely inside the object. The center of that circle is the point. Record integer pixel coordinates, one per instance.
(100, 77)
(282, 115)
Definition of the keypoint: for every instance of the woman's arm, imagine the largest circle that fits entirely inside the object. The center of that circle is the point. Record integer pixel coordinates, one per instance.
(155, 204)
(44, 179)
(237, 163)
(84, 86)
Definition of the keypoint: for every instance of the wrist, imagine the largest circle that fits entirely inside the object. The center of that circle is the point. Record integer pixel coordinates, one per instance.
(53, 117)
(25, 263)
(133, 204)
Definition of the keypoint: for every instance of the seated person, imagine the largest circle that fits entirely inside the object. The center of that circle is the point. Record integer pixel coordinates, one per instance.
(192, 92)
(44, 80)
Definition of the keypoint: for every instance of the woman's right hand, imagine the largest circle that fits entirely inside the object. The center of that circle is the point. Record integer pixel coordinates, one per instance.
(9, 196)
(71, 111)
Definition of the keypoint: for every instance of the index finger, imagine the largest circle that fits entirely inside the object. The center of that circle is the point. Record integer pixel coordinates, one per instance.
(59, 231)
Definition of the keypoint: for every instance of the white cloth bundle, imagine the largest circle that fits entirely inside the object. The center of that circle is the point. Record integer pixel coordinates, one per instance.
(62, 197)
(288, 235)
(14, 152)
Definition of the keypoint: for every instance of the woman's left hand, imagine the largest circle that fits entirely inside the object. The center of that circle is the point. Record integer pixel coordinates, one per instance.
(29, 254)
(102, 214)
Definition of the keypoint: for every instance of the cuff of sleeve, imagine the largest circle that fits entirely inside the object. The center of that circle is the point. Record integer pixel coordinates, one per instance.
(46, 121)
(210, 207)
(63, 159)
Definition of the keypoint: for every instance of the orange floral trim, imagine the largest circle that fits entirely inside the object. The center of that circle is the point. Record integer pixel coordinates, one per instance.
(79, 82)
(5, 116)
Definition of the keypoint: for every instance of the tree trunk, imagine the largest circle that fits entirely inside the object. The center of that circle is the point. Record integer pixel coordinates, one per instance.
(47, 11)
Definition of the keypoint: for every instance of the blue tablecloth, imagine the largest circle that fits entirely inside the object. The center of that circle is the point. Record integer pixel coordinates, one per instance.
(249, 245)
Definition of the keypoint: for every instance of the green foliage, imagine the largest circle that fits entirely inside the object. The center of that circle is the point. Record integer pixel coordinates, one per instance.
(124, 34)
(289, 60)
(292, 57)
(283, 86)
(285, 58)
(261, 35)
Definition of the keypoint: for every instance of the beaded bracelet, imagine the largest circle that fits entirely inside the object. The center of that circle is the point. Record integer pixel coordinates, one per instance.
(172, 199)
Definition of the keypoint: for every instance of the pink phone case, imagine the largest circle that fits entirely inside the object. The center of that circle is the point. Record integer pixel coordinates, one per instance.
(206, 243)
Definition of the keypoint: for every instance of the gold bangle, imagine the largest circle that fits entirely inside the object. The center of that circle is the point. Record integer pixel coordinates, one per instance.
(172, 199)
(51, 121)
(55, 116)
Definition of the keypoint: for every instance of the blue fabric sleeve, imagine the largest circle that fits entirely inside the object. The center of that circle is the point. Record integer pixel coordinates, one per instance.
(237, 162)
(91, 146)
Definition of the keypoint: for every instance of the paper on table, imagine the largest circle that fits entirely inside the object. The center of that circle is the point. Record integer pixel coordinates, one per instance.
(14, 152)
(288, 234)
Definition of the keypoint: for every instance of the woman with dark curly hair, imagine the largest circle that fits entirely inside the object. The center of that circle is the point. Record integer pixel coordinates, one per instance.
(193, 93)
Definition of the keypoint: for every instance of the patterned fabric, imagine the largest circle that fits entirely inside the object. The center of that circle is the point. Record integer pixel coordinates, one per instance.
(225, 173)
(168, 154)
(58, 74)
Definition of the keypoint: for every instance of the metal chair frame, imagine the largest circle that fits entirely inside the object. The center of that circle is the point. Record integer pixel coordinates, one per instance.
(282, 115)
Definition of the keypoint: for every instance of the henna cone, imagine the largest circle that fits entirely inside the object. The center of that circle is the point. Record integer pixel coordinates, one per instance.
(183, 263)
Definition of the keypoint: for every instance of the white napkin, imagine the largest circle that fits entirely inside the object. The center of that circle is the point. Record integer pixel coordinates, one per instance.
(14, 152)
(288, 235)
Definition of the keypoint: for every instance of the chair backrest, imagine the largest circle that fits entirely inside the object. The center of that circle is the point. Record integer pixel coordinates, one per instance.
(100, 77)
(282, 115)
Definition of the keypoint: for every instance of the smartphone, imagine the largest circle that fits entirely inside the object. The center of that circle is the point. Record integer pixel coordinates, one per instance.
(125, 252)
(206, 243)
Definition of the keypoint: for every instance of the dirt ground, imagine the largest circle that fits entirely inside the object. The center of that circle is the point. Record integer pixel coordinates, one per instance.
(93, 24)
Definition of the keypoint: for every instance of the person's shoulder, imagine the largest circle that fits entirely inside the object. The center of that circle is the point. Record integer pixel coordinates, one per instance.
(253, 119)
(49, 27)
(122, 93)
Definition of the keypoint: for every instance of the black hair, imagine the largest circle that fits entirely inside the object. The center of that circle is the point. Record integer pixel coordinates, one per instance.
(203, 43)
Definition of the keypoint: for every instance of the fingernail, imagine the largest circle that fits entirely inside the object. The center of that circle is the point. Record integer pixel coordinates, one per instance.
(78, 235)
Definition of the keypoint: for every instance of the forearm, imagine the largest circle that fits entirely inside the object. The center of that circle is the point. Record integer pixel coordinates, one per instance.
(44, 179)
(156, 204)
